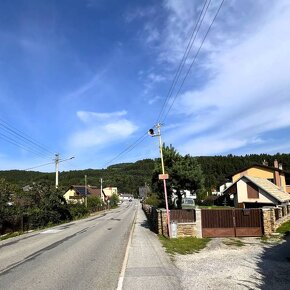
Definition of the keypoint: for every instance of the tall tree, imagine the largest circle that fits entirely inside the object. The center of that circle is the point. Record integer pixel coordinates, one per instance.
(184, 174)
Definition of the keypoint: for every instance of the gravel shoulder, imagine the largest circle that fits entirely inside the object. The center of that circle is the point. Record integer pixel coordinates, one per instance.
(238, 263)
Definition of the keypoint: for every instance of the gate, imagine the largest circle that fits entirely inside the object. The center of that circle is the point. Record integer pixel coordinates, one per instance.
(231, 222)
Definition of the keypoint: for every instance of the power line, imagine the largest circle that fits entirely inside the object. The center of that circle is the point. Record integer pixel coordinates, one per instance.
(197, 53)
(39, 166)
(185, 55)
(177, 75)
(127, 149)
(24, 138)
(12, 141)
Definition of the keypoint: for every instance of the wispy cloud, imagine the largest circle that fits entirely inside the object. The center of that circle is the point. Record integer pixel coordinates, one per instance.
(100, 129)
(248, 95)
(84, 88)
(154, 100)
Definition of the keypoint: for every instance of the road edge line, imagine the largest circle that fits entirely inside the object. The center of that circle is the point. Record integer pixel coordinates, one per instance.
(122, 274)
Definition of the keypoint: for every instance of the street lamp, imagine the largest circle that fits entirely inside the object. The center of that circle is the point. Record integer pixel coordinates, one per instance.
(162, 176)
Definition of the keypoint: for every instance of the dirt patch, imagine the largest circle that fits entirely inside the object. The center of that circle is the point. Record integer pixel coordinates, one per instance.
(238, 263)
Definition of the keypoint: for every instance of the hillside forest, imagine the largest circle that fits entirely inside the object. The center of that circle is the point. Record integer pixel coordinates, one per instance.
(42, 205)
(128, 177)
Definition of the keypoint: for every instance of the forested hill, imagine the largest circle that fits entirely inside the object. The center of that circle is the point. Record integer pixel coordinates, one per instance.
(129, 176)
(218, 168)
(126, 176)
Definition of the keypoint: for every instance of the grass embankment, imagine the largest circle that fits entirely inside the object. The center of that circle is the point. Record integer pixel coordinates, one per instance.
(183, 246)
(284, 229)
(10, 235)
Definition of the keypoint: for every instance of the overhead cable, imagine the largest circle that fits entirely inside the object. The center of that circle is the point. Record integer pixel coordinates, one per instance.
(185, 56)
(20, 137)
(193, 61)
(127, 149)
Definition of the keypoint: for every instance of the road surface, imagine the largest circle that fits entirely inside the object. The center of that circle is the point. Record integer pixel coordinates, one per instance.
(84, 254)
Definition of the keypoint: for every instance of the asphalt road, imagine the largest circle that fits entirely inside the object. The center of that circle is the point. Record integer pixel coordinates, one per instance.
(85, 254)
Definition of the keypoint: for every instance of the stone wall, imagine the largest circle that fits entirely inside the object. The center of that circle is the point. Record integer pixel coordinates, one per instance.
(157, 219)
(186, 230)
(271, 223)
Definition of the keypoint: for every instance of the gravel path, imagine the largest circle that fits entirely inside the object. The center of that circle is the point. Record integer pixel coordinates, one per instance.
(225, 265)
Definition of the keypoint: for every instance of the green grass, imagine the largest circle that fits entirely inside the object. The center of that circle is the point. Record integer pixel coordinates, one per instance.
(10, 235)
(270, 240)
(284, 229)
(183, 246)
(234, 242)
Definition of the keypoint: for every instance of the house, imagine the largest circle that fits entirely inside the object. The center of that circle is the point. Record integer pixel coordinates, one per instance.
(257, 186)
(275, 174)
(77, 193)
(109, 191)
(187, 196)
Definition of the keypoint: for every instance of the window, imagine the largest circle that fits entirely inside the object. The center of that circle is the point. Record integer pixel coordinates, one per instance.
(253, 190)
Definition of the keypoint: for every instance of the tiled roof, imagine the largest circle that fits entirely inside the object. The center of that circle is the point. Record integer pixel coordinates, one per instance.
(91, 190)
(270, 188)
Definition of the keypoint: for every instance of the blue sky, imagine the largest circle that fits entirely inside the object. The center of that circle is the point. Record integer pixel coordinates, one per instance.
(88, 78)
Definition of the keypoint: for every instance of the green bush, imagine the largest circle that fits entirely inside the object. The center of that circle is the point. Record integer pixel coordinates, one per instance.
(78, 210)
(114, 200)
(152, 200)
(94, 203)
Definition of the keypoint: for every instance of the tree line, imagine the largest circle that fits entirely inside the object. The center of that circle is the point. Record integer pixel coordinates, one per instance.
(128, 177)
(43, 205)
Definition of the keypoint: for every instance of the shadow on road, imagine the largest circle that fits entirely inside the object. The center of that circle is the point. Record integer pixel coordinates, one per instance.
(275, 266)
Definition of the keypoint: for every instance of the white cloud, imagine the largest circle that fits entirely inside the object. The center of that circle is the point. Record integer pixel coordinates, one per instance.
(88, 117)
(154, 100)
(155, 78)
(101, 129)
(247, 92)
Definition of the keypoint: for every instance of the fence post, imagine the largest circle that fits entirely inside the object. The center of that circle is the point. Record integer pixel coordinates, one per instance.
(198, 223)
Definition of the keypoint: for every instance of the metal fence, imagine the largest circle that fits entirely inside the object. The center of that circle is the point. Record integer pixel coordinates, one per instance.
(183, 215)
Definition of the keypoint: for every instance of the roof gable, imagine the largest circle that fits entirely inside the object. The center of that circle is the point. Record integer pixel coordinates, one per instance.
(266, 185)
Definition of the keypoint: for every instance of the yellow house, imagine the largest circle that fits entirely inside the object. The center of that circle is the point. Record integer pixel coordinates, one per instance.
(258, 186)
(109, 191)
(274, 174)
(77, 193)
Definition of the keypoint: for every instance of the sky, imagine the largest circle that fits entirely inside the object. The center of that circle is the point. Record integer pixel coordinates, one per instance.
(88, 78)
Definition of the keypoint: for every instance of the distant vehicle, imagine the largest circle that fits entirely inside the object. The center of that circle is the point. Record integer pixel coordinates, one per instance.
(130, 199)
(187, 203)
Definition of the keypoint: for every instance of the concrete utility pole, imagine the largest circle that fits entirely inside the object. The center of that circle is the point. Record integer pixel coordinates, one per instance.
(162, 176)
(86, 192)
(57, 160)
(102, 197)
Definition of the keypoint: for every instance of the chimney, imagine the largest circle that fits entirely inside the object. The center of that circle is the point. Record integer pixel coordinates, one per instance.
(277, 174)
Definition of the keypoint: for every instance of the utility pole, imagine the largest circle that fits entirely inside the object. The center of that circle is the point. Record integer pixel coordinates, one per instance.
(57, 160)
(162, 176)
(102, 197)
(86, 192)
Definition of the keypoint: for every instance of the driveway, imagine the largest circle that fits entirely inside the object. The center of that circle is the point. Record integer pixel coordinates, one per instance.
(238, 263)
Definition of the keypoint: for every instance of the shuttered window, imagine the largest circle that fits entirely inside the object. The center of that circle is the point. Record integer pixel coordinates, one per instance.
(253, 191)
